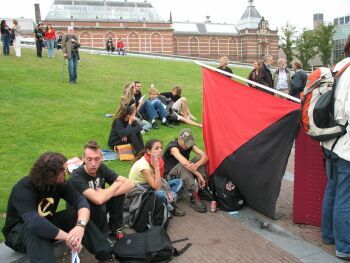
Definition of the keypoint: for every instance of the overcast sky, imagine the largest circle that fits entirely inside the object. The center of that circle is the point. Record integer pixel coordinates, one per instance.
(297, 12)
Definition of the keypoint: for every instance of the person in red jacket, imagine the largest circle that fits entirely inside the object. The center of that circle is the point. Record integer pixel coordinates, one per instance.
(121, 47)
(50, 36)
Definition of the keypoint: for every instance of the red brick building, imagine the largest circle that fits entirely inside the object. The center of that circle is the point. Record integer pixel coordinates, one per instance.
(142, 30)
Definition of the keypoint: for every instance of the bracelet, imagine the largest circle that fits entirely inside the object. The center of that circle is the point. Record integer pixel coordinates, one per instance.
(82, 225)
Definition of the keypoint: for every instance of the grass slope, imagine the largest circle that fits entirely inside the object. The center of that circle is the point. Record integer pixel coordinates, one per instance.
(39, 113)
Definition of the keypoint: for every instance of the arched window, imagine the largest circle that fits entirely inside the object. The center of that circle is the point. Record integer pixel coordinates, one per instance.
(156, 43)
(133, 43)
(194, 47)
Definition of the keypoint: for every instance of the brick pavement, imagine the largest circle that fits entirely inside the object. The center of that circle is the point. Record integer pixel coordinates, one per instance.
(220, 237)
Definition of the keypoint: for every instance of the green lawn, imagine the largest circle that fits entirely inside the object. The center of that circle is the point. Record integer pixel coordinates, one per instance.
(39, 113)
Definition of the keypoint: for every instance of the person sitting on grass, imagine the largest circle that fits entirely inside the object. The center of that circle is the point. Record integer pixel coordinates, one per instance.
(128, 99)
(148, 170)
(33, 223)
(178, 166)
(179, 105)
(148, 110)
(125, 129)
(90, 179)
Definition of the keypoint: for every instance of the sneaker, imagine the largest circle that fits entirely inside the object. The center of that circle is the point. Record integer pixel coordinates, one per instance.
(205, 194)
(341, 255)
(196, 203)
(117, 234)
(166, 123)
(178, 211)
(155, 125)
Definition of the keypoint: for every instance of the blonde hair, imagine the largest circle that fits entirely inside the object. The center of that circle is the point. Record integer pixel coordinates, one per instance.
(225, 59)
(153, 90)
(129, 91)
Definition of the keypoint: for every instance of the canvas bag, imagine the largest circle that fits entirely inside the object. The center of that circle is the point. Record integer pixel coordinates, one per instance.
(125, 152)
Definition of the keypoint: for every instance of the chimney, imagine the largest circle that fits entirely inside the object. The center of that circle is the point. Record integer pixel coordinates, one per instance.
(37, 13)
(207, 19)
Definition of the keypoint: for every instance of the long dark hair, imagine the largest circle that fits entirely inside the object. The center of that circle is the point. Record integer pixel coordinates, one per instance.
(47, 27)
(44, 172)
(148, 146)
(124, 111)
(3, 23)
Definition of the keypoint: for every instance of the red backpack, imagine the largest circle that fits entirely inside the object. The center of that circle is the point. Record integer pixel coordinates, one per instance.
(317, 108)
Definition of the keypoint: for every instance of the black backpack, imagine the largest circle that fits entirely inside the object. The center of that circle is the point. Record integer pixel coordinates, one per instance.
(151, 212)
(228, 196)
(154, 245)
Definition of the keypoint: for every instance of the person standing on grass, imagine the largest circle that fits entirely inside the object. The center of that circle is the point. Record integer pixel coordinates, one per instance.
(90, 180)
(70, 48)
(50, 36)
(16, 28)
(33, 222)
(39, 39)
(5, 38)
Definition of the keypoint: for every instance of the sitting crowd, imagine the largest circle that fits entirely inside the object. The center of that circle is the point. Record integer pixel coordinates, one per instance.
(94, 214)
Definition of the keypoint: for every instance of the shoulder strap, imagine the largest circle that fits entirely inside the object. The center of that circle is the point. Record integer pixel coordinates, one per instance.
(339, 72)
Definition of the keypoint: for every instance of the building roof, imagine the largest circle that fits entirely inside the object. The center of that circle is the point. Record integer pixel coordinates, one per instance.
(27, 24)
(102, 10)
(250, 18)
(200, 28)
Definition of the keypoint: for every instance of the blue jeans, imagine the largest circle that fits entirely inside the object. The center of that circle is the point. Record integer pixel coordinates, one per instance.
(175, 186)
(336, 205)
(50, 48)
(72, 67)
(150, 111)
(5, 44)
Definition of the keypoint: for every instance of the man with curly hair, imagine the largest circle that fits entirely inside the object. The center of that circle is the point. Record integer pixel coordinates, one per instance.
(32, 222)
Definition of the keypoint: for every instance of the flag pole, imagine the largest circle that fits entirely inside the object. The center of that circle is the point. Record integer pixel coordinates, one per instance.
(249, 81)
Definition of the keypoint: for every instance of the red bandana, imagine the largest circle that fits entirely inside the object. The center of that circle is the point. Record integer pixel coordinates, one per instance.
(160, 160)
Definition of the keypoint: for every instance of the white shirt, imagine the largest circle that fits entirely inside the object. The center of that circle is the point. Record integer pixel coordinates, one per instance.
(342, 111)
(282, 82)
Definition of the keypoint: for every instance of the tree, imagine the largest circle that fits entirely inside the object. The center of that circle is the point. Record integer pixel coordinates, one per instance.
(288, 41)
(324, 36)
(306, 47)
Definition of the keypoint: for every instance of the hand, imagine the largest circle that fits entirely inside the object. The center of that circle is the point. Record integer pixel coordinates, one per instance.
(65, 55)
(170, 197)
(192, 167)
(124, 139)
(74, 238)
(201, 181)
(155, 162)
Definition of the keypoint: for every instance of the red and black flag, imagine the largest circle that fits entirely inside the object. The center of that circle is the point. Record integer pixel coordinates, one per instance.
(248, 135)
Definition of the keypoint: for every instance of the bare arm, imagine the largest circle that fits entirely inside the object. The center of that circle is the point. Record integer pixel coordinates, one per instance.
(189, 165)
(204, 157)
(101, 196)
(125, 186)
(153, 179)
